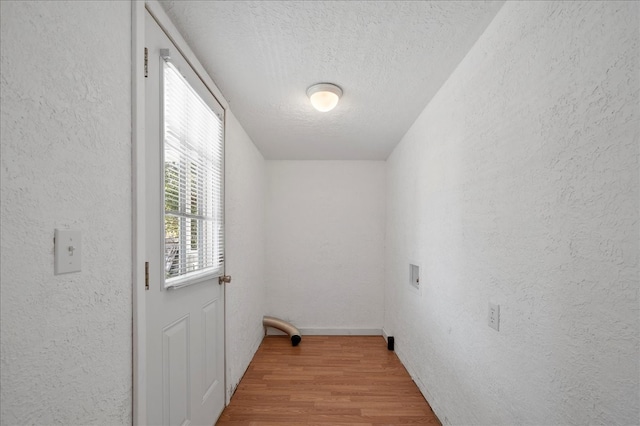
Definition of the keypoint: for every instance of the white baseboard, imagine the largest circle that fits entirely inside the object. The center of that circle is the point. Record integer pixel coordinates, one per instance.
(385, 334)
(341, 331)
(332, 331)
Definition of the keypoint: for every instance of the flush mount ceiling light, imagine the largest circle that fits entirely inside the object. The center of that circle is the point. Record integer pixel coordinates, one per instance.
(324, 96)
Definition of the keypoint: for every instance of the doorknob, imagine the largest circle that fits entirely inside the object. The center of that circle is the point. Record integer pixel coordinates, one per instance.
(224, 279)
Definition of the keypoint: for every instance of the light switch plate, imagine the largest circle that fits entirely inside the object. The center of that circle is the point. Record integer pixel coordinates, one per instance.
(68, 251)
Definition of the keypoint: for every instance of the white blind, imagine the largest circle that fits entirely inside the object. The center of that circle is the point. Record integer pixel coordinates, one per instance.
(193, 184)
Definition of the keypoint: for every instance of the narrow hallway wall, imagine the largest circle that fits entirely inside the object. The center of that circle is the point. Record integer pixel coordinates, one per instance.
(518, 185)
(65, 344)
(325, 244)
(245, 181)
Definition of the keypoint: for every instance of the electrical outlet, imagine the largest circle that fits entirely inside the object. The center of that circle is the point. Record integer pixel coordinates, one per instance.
(494, 316)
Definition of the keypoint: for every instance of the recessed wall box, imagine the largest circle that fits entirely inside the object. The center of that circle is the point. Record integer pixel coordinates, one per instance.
(414, 275)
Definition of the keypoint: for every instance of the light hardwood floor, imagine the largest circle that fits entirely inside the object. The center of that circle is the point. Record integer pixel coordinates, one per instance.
(327, 380)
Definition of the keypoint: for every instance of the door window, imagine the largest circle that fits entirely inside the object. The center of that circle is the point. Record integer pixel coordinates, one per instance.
(193, 182)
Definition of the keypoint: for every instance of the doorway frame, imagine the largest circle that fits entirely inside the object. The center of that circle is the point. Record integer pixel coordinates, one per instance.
(138, 169)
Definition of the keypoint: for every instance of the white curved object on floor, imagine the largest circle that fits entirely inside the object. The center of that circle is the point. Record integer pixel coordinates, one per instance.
(282, 325)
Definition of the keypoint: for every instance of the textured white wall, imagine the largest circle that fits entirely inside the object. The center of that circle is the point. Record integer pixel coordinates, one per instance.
(518, 184)
(325, 243)
(245, 177)
(65, 127)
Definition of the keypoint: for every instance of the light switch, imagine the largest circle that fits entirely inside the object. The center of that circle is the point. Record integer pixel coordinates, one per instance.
(68, 251)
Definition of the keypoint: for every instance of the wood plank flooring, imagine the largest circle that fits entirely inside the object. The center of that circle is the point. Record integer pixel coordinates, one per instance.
(327, 380)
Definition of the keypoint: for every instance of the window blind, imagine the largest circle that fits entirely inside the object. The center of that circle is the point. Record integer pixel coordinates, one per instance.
(193, 184)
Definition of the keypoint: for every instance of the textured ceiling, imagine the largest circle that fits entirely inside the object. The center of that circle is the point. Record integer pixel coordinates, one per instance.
(390, 58)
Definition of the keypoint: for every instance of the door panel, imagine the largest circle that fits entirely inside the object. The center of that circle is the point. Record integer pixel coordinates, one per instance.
(211, 367)
(185, 326)
(175, 386)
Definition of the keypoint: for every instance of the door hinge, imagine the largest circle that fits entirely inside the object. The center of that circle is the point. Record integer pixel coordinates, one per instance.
(146, 62)
(146, 275)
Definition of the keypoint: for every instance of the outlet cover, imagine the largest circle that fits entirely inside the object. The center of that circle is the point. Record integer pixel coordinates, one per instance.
(68, 250)
(494, 316)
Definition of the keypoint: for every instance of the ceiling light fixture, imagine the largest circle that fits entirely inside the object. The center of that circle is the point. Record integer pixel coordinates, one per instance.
(324, 96)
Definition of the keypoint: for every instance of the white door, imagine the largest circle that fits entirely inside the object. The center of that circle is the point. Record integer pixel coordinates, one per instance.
(185, 322)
